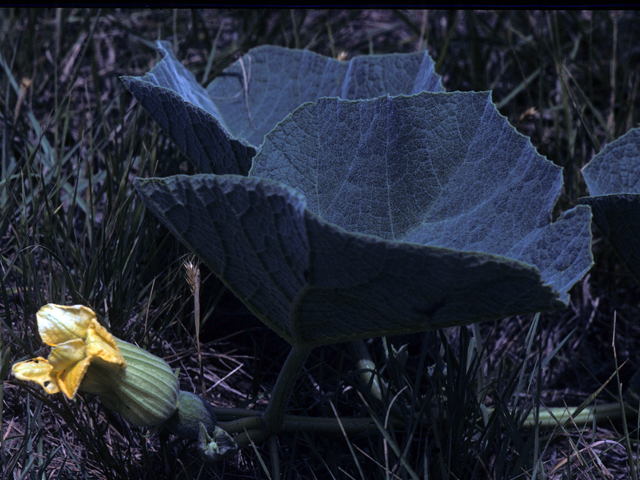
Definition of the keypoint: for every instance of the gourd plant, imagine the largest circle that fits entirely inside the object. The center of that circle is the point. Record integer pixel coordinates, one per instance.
(613, 180)
(347, 200)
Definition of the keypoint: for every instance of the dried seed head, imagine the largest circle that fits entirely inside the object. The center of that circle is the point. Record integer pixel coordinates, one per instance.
(191, 267)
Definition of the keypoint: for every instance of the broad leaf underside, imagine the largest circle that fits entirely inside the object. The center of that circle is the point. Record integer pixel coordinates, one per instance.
(221, 127)
(315, 283)
(269, 82)
(384, 216)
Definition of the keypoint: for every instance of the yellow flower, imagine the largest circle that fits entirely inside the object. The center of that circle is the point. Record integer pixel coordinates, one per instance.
(85, 356)
(77, 340)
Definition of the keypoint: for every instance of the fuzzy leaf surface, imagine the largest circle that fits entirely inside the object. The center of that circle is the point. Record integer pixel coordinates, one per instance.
(182, 108)
(220, 128)
(613, 179)
(269, 82)
(384, 216)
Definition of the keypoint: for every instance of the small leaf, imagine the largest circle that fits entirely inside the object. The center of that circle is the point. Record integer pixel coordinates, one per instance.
(613, 179)
(616, 169)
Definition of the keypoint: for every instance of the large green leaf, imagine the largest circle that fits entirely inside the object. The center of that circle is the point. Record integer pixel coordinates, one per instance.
(181, 106)
(613, 179)
(219, 129)
(269, 82)
(377, 217)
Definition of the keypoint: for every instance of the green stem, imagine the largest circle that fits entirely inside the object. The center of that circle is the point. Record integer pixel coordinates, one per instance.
(563, 415)
(557, 416)
(295, 423)
(251, 421)
(272, 442)
(281, 393)
(231, 414)
(242, 424)
(298, 423)
(256, 436)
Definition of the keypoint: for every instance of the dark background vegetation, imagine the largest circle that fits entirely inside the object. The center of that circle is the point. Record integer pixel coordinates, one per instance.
(72, 231)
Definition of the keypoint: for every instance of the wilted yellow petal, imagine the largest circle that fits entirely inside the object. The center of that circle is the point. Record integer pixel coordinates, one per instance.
(69, 380)
(58, 324)
(101, 344)
(66, 354)
(37, 370)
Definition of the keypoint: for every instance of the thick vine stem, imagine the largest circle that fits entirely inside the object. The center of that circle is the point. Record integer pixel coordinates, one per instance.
(250, 424)
(300, 423)
(251, 436)
(242, 424)
(230, 414)
(561, 415)
(274, 416)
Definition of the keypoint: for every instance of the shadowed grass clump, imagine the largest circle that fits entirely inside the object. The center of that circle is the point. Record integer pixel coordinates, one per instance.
(457, 402)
